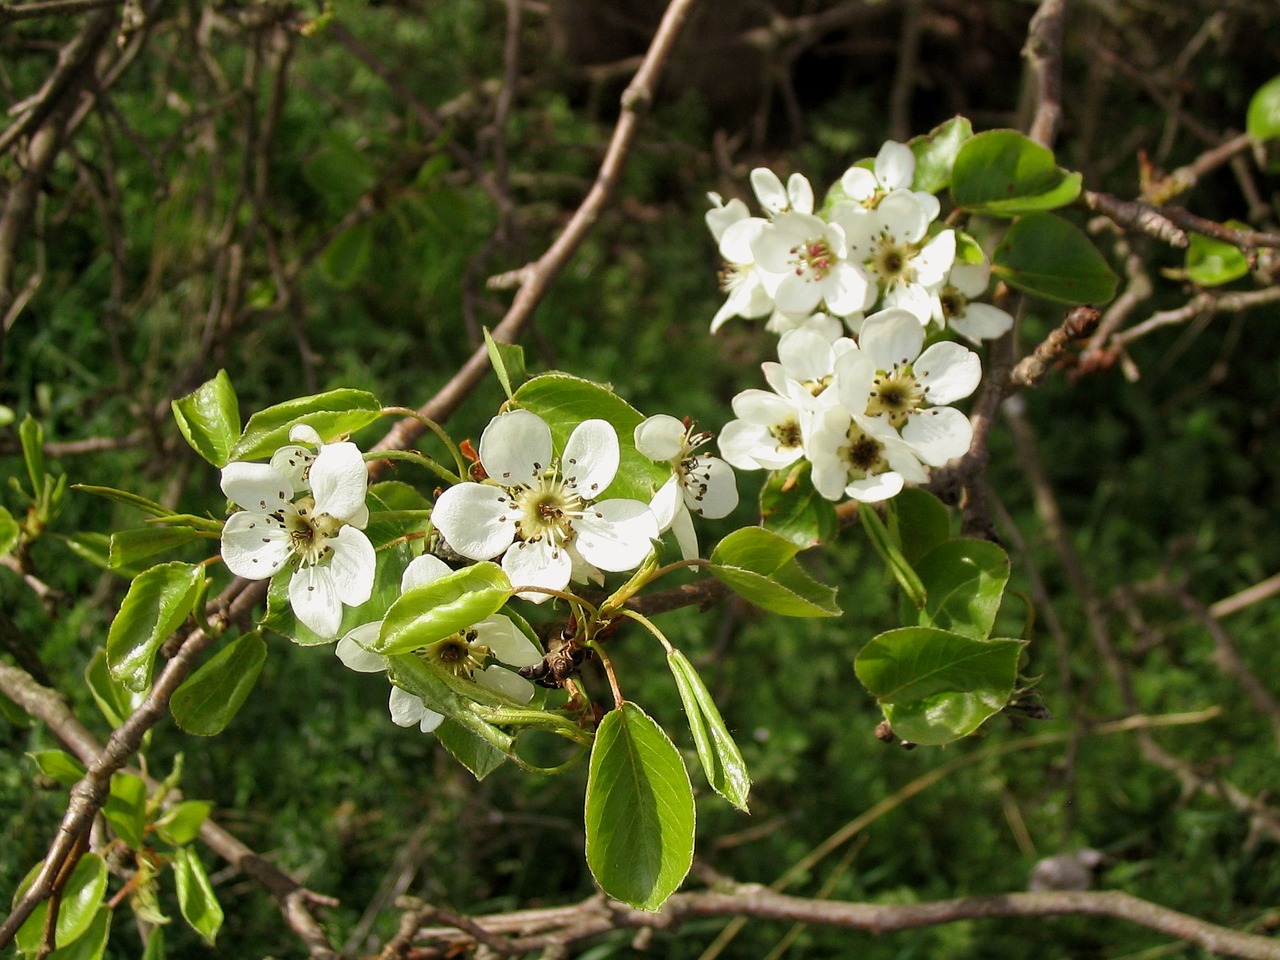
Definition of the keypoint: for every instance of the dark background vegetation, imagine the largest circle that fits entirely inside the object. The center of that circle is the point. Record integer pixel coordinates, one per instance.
(304, 208)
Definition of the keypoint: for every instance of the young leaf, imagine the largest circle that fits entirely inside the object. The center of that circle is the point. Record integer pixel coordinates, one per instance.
(474, 752)
(1043, 254)
(127, 498)
(332, 414)
(892, 557)
(348, 255)
(129, 547)
(1262, 122)
(922, 522)
(77, 910)
(126, 809)
(639, 810)
(935, 686)
(115, 702)
(1212, 263)
(564, 402)
(181, 824)
(59, 766)
(9, 532)
(721, 759)
(965, 581)
(196, 899)
(93, 943)
(209, 419)
(435, 610)
(31, 436)
(158, 601)
(210, 697)
(507, 360)
(760, 567)
(791, 508)
(1003, 173)
(936, 154)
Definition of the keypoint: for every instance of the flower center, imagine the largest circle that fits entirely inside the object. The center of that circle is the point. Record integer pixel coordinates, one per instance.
(954, 303)
(891, 261)
(460, 654)
(787, 433)
(864, 454)
(548, 509)
(896, 395)
(813, 259)
(309, 532)
(733, 275)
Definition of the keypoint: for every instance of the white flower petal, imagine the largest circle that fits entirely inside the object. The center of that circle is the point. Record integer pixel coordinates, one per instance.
(855, 379)
(591, 457)
(971, 279)
(686, 536)
(506, 683)
(408, 710)
(716, 492)
(981, 321)
(351, 567)
(949, 371)
(800, 193)
(351, 649)
(506, 642)
(901, 214)
(805, 354)
(339, 480)
(895, 166)
(515, 447)
(315, 601)
(254, 545)
(845, 289)
(797, 294)
(477, 520)
(422, 570)
(256, 485)
(859, 183)
(305, 433)
(936, 258)
(723, 215)
(891, 337)
(660, 437)
(666, 502)
(939, 434)
(537, 564)
(616, 534)
(882, 486)
(769, 191)
(292, 461)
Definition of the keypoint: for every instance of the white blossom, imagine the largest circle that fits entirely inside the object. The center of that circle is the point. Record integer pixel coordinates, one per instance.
(308, 510)
(796, 197)
(894, 169)
(958, 311)
(748, 289)
(813, 260)
(700, 483)
(860, 457)
(541, 514)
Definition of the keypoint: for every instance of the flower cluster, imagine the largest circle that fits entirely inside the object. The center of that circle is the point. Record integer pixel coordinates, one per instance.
(875, 244)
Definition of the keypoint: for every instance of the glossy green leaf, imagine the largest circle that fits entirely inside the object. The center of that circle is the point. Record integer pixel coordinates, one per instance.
(639, 810)
(114, 701)
(393, 505)
(965, 581)
(935, 686)
(158, 601)
(130, 547)
(9, 532)
(474, 752)
(348, 255)
(436, 610)
(1212, 263)
(77, 910)
(721, 759)
(1004, 173)
(209, 419)
(331, 414)
(181, 824)
(454, 698)
(210, 697)
(791, 508)
(507, 360)
(1043, 254)
(922, 522)
(155, 945)
(58, 765)
(760, 567)
(891, 555)
(1262, 122)
(564, 402)
(31, 436)
(196, 899)
(936, 153)
(126, 809)
(127, 498)
(92, 945)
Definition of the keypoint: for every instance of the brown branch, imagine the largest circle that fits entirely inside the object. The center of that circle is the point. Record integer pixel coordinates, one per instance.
(1200, 305)
(1135, 215)
(11, 12)
(537, 276)
(596, 916)
(1032, 369)
(1043, 51)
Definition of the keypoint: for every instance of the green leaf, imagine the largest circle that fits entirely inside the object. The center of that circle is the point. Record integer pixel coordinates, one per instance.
(474, 752)
(936, 154)
(507, 360)
(347, 257)
(1003, 173)
(58, 765)
(935, 686)
(891, 556)
(1043, 254)
(395, 496)
(791, 508)
(1262, 122)
(922, 522)
(1212, 263)
(339, 171)
(760, 567)
(155, 945)
(210, 697)
(436, 610)
(77, 911)
(113, 699)
(965, 581)
(9, 532)
(126, 809)
(209, 419)
(130, 547)
(31, 436)
(332, 414)
(158, 601)
(564, 402)
(93, 943)
(126, 498)
(639, 810)
(196, 899)
(721, 759)
(181, 824)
